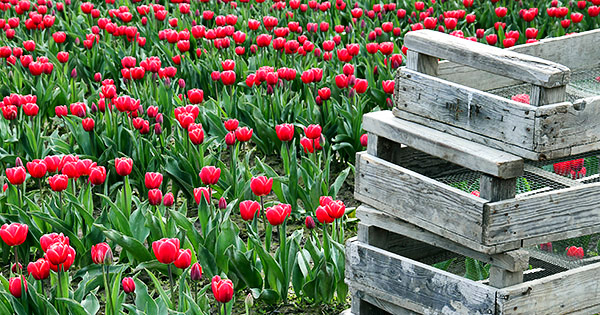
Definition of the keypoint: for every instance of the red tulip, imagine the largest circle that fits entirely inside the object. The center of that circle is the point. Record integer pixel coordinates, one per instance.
(364, 139)
(153, 180)
(166, 250)
(196, 96)
(16, 175)
(228, 77)
(49, 239)
(128, 285)
(31, 109)
(97, 175)
(276, 215)
(184, 259)
(575, 252)
(501, 12)
(14, 234)
(196, 135)
(492, 39)
(309, 222)
(15, 284)
(168, 200)
(123, 166)
(313, 131)
(154, 196)
(58, 182)
(576, 17)
(102, 254)
(324, 93)
(231, 124)
(29, 45)
(336, 209)
(261, 186)
(210, 175)
(37, 168)
(341, 81)
(59, 37)
(285, 132)
(63, 57)
(388, 86)
(243, 134)
(323, 216)
(57, 253)
(361, 86)
(40, 269)
(200, 192)
(196, 272)
(249, 209)
(222, 289)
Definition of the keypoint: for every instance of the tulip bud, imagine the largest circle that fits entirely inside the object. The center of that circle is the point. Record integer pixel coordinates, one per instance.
(168, 200)
(196, 272)
(249, 301)
(159, 118)
(74, 73)
(157, 129)
(16, 268)
(181, 83)
(222, 203)
(94, 108)
(310, 223)
(18, 162)
(128, 285)
(97, 77)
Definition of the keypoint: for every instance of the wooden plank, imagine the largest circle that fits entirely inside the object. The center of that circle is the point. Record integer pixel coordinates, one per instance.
(380, 146)
(561, 293)
(413, 285)
(421, 63)
(507, 63)
(580, 55)
(474, 137)
(407, 195)
(496, 189)
(467, 108)
(514, 260)
(459, 151)
(376, 305)
(501, 278)
(540, 95)
(568, 125)
(552, 214)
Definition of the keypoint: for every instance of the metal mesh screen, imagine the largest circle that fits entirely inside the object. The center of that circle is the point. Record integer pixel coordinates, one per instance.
(583, 84)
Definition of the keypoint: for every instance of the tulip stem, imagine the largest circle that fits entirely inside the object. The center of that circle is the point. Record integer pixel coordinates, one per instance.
(107, 290)
(172, 285)
(17, 261)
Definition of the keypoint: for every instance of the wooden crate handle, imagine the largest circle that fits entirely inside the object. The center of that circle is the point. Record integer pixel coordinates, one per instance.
(526, 68)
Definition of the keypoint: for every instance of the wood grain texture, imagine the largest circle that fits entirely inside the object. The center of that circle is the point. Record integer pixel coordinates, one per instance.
(501, 278)
(540, 95)
(514, 260)
(407, 195)
(496, 189)
(371, 304)
(546, 216)
(467, 108)
(580, 55)
(415, 286)
(421, 63)
(459, 151)
(492, 59)
(562, 293)
(568, 125)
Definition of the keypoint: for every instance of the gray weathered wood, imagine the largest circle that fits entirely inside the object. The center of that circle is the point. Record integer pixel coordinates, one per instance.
(514, 260)
(540, 95)
(579, 55)
(545, 216)
(488, 58)
(413, 285)
(374, 305)
(380, 146)
(561, 293)
(421, 63)
(501, 278)
(568, 125)
(386, 186)
(478, 138)
(467, 108)
(459, 151)
(495, 189)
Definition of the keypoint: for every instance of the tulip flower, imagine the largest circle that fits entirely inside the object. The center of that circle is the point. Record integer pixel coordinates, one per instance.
(168, 200)
(231, 124)
(40, 269)
(184, 259)
(575, 252)
(261, 186)
(58, 182)
(97, 175)
(243, 134)
(196, 272)
(37, 168)
(276, 215)
(123, 166)
(249, 209)
(16, 284)
(101, 254)
(195, 96)
(14, 234)
(222, 289)
(128, 285)
(166, 250)
(16, 175)
(210, 175)
(313, 131)
(154, 196)
(153, 180)
(201, 192)
(285, 132)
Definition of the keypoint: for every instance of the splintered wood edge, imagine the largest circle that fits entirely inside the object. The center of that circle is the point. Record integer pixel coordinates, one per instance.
(457, 150)
(512, 64)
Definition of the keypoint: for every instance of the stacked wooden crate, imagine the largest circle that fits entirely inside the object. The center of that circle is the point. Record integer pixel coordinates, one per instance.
(410, 217)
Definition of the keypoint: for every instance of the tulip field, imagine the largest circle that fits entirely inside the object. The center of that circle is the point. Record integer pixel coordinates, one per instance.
(196, 157)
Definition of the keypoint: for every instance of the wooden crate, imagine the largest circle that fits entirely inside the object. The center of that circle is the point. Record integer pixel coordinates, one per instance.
(405, 182)
(451, 96)
(389, 273)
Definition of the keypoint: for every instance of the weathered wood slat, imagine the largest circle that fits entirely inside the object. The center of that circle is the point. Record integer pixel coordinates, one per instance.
(459, 151)
(542, 96)
(415, 286)
(421, 63)
(514, 260)
(488, 58)
(552, 177)
(567, 124)
(368, 304)
(408, 195)
(467, 108)
(580, 55)
(561, 293)
(551, 215)
(477, 138)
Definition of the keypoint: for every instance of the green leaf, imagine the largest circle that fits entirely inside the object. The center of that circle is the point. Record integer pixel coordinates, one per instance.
(130, 244)
(91, 304)
(73, 306)
(164, 296)
(244, 269)
(143, 300)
